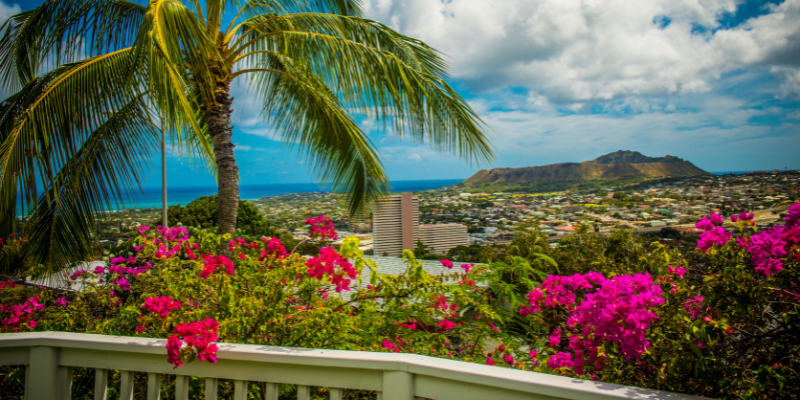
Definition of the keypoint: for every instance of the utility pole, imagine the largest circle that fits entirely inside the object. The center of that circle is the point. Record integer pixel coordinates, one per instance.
(163, 175)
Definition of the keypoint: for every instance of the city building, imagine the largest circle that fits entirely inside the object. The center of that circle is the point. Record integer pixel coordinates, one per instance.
(440, 238)
(396, 228)
(395, 224)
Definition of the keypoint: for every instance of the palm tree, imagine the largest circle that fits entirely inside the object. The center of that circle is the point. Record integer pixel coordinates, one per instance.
(88, 77)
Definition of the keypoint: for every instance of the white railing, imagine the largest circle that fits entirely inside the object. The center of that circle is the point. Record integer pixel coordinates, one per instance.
(50, 357)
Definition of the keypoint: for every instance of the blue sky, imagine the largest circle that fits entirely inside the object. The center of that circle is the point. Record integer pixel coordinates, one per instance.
(716, 82)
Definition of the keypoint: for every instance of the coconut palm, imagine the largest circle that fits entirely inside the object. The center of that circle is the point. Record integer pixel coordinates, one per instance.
(92, 81)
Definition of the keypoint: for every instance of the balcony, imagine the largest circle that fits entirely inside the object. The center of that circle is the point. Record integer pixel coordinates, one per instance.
(50, 357)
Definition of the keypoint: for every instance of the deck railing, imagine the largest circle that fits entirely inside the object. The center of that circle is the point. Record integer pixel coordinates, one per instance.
(50, 357)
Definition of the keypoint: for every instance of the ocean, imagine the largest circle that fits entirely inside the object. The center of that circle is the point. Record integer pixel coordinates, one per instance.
(151, 197)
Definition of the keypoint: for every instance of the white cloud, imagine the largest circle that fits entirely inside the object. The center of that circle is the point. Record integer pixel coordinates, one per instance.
(414, 157)
(7, 11)
(593, 50)
(790, 81)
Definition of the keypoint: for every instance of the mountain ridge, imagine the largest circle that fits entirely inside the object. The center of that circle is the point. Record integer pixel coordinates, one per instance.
(620, 165)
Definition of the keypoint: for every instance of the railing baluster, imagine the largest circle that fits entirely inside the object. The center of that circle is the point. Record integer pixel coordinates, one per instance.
(181, 387)
(64, 376)
(100, 384)
(43, 369)
(126, 385)
(153, 386)
(211, 388)
(302, 392)
(336, 394)
(240, 390)
(271, 391)
(397, 385)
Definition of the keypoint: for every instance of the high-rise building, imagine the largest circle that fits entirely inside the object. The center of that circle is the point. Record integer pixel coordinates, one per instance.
(440, 238)
(395, 227)
(395, 224)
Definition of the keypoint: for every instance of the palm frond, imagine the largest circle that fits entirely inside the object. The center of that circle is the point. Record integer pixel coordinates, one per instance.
(171, 42)
(51, 117)
(102, 173)
(308, 114)
(63, 31)
(376, 71)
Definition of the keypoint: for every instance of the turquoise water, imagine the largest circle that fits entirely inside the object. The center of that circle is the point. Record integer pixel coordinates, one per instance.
(151, 197)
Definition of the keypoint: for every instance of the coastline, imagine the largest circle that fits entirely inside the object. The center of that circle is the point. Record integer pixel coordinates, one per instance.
(150, 197)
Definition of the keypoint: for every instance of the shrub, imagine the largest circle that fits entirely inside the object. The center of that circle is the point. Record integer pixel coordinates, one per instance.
(203, 213)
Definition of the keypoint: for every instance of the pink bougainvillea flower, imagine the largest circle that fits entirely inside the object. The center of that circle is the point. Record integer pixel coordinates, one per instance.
(705, 224)
(388, 344)
(489, 361)
(123, 284)
(693, 306)
(508, 359)
(555, 338)
(274, 248)
(198, 337)
(560, 360)
(715, 219)
(78, 274)
(337, 268)
(679, 271)
(715, 236)
(446, 325)
(447, 263)
(793, 217)
(410, 325)
(211, 263)
(161, 305)
(321, 228)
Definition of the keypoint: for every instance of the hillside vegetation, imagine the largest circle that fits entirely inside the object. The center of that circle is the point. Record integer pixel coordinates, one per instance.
(611, 169)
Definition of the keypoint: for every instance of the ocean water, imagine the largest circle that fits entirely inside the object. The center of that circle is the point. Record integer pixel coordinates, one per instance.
(151, 197)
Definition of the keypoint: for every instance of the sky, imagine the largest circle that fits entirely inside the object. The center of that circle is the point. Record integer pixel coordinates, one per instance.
(715, 82)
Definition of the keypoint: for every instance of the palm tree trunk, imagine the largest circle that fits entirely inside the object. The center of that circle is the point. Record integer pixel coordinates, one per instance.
(163, 175)
(219, 128)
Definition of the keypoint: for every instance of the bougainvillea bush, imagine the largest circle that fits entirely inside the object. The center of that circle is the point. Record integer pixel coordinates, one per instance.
(720, 322)
(175, 286)
(724, 324)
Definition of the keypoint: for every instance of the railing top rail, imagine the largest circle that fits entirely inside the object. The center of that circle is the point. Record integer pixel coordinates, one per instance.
(524, 381)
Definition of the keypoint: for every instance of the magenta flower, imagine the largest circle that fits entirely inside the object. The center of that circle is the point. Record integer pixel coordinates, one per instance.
(560, 360)
(446, 325)
(321, 227)
(77, 274)
(715, 219)
(327, 263)
(704, 224)
(793, 218)
(161, 305)
(447, 263)
(123, 284)
(716, 236)
(198, 337)
(555, 338)
(489, 361)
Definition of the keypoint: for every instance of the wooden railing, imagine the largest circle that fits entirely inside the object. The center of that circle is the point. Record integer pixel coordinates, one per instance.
(50, 357)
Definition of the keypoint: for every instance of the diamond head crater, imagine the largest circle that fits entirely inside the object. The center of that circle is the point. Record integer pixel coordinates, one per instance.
(620, 168)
